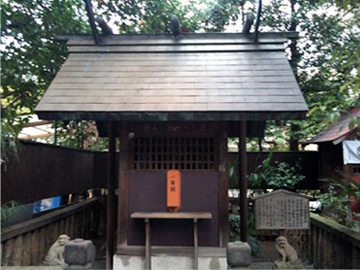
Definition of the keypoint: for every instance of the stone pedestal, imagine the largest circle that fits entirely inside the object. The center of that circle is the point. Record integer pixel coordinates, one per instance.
(238, 255)
(79, 254)
(167, 262)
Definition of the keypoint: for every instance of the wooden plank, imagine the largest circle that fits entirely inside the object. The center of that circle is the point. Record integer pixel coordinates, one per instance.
(16, 256)
(355, 258)
(62, 226)
(7, 252)
(172, 215)
(172, 251)
(67, 226)
(175, 80)
(148, 67)
(203, 85)
(170, 41)
(49, 237)
(41, 243)
(174, 92)
(113, 73)
(55, 233)
(173, 66)
(143, 64)
(114, 57)
(72, 227)
(173, 107)
(167, 100)
(82, 223)
(174, 49)
(34, 248)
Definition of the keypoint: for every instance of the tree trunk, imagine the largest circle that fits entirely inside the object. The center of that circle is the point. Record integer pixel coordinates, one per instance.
(294, 60)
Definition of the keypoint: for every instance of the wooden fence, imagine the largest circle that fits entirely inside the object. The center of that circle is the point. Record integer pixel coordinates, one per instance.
(27, 243)
(61, 171)
(333, 246)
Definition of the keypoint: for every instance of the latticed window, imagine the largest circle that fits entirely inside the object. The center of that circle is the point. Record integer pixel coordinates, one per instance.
(180, 153)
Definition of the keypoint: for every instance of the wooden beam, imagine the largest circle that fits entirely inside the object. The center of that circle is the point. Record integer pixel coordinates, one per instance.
(244, 232)
(111, 199)
(38, 123)
(37, 136)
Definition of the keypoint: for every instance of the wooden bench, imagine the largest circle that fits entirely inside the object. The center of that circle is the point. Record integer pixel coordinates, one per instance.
(167, 215)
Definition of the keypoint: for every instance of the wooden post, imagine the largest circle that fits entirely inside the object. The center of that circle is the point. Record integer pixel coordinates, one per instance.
(147, 244)
(244, 232)
(111, 199)
(122, 228)
(196, 251)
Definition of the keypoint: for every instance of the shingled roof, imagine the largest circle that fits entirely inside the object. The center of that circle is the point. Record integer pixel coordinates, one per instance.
(157, 77)
(339, 131)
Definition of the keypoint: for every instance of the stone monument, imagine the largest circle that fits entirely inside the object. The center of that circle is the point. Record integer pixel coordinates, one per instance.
(55, 256)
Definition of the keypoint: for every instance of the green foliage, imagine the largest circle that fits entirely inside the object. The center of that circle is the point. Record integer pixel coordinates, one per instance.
(151, 17)
(348, 186)
(279, 175)
(8, 212)
(79, 134)
(339, 206)
(220, 13)
(325, 59)
(31, 56)
(234, 224)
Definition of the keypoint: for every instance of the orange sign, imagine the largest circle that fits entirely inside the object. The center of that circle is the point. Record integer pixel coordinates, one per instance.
(173, 190)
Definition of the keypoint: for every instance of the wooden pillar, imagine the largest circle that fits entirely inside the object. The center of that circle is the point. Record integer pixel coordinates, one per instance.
(122, 228)
(223, 186)
(147, 244)
(111, 199)
(244, 231)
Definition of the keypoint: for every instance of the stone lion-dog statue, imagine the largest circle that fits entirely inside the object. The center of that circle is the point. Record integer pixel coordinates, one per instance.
(289, 257)
(55, 256)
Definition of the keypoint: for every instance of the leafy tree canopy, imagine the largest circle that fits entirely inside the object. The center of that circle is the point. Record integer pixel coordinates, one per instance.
(325, 59)
(31, 56)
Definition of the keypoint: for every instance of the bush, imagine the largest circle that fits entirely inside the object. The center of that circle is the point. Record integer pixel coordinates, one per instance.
(234, 224)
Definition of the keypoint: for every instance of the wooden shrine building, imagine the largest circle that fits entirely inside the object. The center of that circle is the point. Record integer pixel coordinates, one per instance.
(173, 103)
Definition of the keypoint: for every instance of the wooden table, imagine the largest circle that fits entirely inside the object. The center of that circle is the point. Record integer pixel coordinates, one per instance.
(167, 215)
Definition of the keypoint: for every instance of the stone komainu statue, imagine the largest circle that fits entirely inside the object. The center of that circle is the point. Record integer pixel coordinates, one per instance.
(55, 256)
(289, 257)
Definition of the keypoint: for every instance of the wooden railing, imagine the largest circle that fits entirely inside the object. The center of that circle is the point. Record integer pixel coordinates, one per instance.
(27, 243)
(333, 246)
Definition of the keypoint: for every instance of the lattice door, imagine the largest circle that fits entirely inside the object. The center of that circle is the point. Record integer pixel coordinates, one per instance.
(180, 153)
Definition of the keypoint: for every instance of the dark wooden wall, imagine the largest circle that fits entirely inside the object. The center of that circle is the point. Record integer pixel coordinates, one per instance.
(199, 193)
(44, 171)
(331, 160)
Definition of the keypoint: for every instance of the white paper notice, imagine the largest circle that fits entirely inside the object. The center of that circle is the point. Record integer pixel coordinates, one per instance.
(351, 152)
